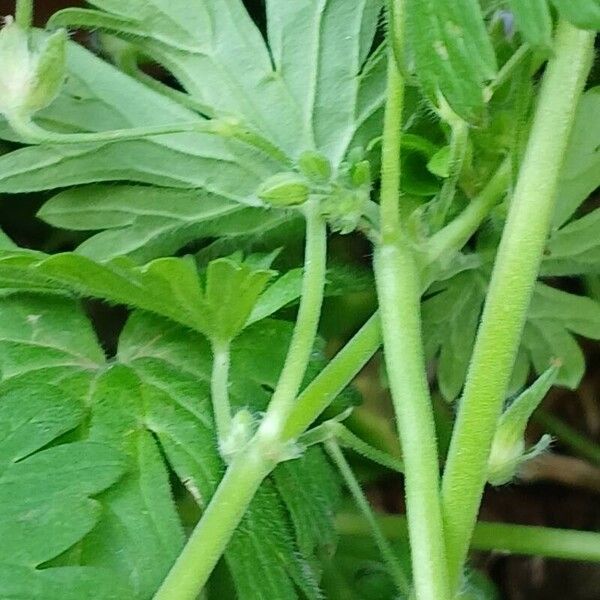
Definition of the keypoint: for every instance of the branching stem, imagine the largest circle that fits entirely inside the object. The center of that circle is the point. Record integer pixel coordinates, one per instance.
(24, 14)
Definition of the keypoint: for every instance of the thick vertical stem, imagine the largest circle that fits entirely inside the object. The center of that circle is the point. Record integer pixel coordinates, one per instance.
(511, 287)
(24, 13)
(399, 292)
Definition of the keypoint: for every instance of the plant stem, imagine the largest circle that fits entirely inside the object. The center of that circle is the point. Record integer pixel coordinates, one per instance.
(305, 331)
(511, 286)
(223, 514)
(502, 537)
(507, 71)
(24, 14)
(458, 232)
(399, 293)
(250, 466)
(332, 380)
(219, 386)
(458, 150)
(395, 569)
(581, 445)
(34, 134)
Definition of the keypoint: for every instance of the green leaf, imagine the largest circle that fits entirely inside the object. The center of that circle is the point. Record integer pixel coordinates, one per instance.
(450, 319)
(45, 496)
(574, 249)
(582, 13)
(580, 175)
(319, 47)
(153, 404)
(140, 222)
(97, 97)
(451, 313)
(534, 21)
(553, 318)
(63, 583)
(452, 52)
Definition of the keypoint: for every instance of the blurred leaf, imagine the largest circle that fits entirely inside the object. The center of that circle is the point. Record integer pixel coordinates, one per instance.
(582, 13)
(581, 172)
(534, 21)
(575, 248)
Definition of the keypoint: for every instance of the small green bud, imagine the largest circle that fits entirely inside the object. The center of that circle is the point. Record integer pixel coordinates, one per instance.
(284, 189)
(508, 448)
(361, 174)
(344, 208)
(30, 79)
(49, 73)
(315, 166)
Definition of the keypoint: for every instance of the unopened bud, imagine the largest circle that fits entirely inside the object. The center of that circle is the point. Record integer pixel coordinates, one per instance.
(315, 167)
(284, 189)
(30, 79)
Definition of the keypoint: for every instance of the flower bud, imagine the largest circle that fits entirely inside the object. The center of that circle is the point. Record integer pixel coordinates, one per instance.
(284, 189)
(30, 79)
(315, 166)
(508, 448)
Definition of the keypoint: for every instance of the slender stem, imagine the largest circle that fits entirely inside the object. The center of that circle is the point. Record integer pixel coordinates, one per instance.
(508, 69)
(332, 380)
(248, 468)
(502, 537)
(511, 286)
(34, 134)
(305, 331)
(580, 444)
(394, 567)
(458, 232)
(390, 155)
(223, 514)
(24, 14)
(458, 151)
(219, 385)
(399, 293)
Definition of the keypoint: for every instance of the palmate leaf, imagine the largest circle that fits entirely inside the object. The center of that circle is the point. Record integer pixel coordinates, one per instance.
(45, 495)
(219, 56)
(152, 403)
(98, 97)
(451, 314)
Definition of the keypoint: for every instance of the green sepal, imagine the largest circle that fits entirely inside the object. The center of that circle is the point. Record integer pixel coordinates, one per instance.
(50, 72)
(534, 21)
(508, 448)
(315, 166)
(284, 189)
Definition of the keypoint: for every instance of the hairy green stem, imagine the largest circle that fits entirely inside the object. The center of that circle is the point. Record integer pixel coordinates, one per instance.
(501, 537)
(332, 380)
(458, 150)
(219, 386)
(395, 569)
(303, 339)
(458, 232)
(223, 514)
(24, 13)
(507, 71)
(399, 292)
(34, 134)
(511, 286)
(581, 445)
(250, 466)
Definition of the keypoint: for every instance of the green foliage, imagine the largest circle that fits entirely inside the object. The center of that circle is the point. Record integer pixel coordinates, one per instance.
(151, 403)
(104, 451)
